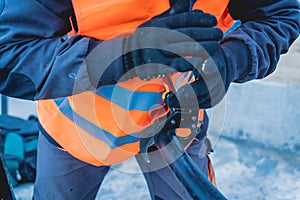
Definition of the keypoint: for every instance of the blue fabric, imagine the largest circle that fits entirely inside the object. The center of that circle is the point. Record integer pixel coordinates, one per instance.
(268, 28)
(129, 100)
(61, 176)
(36, 59)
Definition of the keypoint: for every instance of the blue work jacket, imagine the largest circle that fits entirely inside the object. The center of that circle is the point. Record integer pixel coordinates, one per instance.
(38, 60)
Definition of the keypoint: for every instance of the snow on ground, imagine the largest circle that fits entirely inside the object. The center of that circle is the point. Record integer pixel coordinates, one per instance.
(244, 170)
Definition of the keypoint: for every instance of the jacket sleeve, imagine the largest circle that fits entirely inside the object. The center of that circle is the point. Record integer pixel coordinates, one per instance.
(37, 60)
(268, 29)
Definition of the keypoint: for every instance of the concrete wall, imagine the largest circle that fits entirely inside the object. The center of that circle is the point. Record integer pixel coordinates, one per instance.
(20, 108)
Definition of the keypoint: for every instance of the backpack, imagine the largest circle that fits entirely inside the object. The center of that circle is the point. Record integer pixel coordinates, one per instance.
(18, 147)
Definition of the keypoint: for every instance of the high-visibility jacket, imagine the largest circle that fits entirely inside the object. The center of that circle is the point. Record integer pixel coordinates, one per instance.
(102, 127)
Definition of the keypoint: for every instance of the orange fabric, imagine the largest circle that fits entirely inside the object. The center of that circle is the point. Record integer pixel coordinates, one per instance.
(110, 116)
(114, 17)
(50, 116)
(104, 19)
(211, 173)
(78, 142)
(218, 8)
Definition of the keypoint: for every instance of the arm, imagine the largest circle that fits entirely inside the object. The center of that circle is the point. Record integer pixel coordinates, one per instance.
(37, 60)
(268, 29)
(252, 51)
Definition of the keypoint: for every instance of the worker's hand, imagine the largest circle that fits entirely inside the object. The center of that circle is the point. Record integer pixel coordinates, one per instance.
(160, 46)
(170, 42)
(213, 76)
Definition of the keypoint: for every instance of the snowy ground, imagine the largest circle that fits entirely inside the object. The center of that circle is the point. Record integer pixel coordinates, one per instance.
(257, 155)
(250, 171)
(243, 170)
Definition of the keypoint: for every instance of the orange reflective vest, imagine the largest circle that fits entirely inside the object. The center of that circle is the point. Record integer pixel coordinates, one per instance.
(102, 127)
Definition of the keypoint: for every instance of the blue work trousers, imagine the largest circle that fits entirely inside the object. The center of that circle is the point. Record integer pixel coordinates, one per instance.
(60, 176)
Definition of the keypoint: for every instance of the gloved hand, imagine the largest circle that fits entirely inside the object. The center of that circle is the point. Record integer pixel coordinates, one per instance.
(224, 63)
(158, 47)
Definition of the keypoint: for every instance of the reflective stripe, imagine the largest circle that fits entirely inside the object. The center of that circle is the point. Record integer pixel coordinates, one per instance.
(96, 131)
(131, 100)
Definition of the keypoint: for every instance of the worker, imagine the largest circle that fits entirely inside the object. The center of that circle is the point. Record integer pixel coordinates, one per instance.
(103, 71)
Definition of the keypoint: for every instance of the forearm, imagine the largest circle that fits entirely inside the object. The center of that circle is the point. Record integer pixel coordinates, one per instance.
(37, 61)
(33, 71)
(268, 29)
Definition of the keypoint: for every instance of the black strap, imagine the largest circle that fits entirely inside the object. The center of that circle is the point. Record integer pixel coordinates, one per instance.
(48, 137)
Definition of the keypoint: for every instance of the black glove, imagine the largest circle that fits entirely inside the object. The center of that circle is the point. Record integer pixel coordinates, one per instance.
(158, 47)
(223, 64)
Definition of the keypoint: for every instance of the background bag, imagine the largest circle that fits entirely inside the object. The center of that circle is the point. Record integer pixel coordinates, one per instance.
(18, 147)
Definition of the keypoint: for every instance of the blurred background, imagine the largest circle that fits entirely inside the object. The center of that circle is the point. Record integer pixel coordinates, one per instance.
(255, 133)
